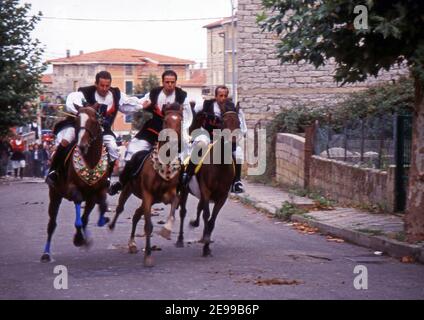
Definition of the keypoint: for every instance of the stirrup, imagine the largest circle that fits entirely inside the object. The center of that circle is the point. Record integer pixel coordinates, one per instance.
(237, 187)
(52, 178)
(114, 188)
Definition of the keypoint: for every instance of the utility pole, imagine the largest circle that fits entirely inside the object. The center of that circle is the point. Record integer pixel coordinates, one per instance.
(233, 53)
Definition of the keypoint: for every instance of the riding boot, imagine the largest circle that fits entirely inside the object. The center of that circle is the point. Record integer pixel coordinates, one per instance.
(237, 185)
(124, 177)
(111, 166)
(16, 172)
(57, 161)
(21, 173)
(187, 175)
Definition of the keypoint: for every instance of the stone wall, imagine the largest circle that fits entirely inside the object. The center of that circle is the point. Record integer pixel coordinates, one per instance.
(290, 159)
(265, 86)
(349, 184)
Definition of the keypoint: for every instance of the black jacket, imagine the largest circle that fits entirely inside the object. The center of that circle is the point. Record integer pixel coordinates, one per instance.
(151, 129)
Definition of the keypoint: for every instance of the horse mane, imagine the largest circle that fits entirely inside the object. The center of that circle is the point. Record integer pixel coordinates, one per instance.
(172, 107)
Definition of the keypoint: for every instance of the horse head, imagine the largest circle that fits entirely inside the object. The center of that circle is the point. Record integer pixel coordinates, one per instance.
(231, 121)
(88, 128)
(173, 117)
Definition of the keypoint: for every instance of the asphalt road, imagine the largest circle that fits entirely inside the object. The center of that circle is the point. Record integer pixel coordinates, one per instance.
(254, 257)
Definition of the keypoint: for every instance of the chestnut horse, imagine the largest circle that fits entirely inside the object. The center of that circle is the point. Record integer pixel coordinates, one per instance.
(156, 182)
(214, 180)
(85, 180)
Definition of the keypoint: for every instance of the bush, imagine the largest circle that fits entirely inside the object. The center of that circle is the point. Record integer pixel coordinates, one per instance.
(378, 100)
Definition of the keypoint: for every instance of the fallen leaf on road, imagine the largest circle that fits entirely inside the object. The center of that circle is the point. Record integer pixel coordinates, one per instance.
(276, 281)
(337, 240)
(304, 228)
(161, 222)
(407, 259)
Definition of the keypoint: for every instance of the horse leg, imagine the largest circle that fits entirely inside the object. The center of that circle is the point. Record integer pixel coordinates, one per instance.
(103, 208)
(195, 223)
(89, 205)
(79, 239)
(123, 197)
(132, 246)
(183, 212)
(206, 215)
(148, 228)
(167, 228)
(210, 225)
(55, 201)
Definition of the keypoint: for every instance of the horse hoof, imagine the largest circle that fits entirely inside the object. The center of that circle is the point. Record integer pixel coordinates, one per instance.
(79, 240)
(165, 233)
(194, 223)
(132, 249)
(111, 226)
(179, 244)
(206, 253)
(103, 221)
(45, 258)
(148, 261)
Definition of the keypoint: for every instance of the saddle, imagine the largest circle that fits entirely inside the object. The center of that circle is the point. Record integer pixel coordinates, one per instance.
(138, 160)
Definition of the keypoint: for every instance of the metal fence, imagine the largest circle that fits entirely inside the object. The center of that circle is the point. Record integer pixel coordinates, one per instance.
(369, 143)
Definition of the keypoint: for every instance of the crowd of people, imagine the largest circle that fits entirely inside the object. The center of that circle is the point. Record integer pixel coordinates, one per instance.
(46, 160)
(19, 158)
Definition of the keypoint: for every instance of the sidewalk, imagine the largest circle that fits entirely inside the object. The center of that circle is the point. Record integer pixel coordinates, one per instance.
(380, 232)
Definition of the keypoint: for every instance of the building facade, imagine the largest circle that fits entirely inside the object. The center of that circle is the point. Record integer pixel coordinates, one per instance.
(128, 67)
(265, 86)
(221, 52)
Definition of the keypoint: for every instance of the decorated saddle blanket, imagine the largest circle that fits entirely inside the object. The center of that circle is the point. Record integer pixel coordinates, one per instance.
(90, 175)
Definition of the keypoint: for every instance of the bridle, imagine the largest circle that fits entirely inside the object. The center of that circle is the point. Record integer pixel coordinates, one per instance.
(93, 136)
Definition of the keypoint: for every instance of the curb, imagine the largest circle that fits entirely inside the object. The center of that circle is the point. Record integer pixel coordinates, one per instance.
(391, 247)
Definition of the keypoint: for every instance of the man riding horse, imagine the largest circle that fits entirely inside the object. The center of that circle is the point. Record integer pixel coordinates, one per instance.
(214, 109)
(145, 139)
(109, 101)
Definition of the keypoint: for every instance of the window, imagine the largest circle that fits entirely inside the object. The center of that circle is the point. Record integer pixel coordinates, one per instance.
(128, 70)
(75, 85)
(167, 67)
(129, 87)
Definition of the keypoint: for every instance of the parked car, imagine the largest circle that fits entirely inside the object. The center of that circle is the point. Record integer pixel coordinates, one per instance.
(47, 135)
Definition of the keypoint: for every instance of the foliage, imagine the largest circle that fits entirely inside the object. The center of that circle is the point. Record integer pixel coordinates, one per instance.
(20, 65)
(316, 30)
(148, 84)
(378, 100)
(287, 210)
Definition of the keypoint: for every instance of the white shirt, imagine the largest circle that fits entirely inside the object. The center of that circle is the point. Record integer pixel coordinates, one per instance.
(127, 105)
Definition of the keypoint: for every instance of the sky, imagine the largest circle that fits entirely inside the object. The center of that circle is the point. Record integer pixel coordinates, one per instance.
(58, 30)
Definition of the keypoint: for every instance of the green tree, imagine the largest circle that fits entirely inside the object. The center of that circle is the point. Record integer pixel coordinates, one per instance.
(20, 64)
(363, 37)
(149, 83)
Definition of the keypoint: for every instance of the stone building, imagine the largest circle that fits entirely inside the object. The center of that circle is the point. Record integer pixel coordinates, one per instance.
(128, 68)
(265, 86)
(220, 54)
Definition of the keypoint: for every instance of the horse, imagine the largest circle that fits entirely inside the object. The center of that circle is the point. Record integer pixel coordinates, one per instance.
(155, 183)
(84, 179)
(214, 179)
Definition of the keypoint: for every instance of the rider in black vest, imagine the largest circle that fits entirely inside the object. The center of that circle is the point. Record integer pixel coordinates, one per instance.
(214, 109)
(109, 101)
(144, 140)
